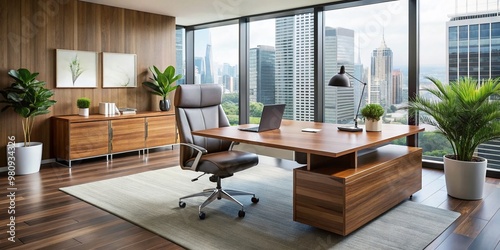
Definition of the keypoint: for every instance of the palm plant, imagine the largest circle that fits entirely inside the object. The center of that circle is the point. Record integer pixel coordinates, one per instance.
(463, 112)
(28, 97)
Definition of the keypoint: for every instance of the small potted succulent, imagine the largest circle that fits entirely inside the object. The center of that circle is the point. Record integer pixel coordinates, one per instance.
(373, 113)
(83, 104)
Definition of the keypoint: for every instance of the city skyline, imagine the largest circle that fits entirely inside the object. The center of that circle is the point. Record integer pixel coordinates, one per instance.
(433, 57)
(388, 19)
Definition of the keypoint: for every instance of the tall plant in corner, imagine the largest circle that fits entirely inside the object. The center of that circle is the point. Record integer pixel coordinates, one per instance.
(162, 84)
(27, 97)
(467, 115)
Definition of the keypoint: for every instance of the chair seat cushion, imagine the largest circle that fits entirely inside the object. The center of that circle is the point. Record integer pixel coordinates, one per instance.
(225, 163)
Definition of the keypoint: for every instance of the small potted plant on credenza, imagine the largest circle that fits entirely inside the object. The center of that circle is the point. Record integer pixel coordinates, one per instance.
(28, 98)
(83, 104)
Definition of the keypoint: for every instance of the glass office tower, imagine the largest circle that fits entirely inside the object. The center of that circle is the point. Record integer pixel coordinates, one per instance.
(262, 74)
(381, 76)
(473, 50)
(473, 46)
(284, 63)
(339, 50)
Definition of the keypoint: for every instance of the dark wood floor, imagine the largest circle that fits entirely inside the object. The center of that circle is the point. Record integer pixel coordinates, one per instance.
(47, 218)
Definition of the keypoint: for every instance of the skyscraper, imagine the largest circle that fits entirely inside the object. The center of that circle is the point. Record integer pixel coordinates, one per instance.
(295, 66)
(284, 64)
(203, 57)
(473, 50)
(397, 86)
(179, 54)
(473, 47)
(381, 76)
(209, 71)
(339, 51)
(262, 74)
(199, 64)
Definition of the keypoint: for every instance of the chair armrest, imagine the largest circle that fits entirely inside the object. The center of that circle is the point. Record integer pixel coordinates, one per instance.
(201, 151)
(233, 143)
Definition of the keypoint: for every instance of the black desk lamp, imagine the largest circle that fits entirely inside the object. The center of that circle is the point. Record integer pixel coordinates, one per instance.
(341, 80)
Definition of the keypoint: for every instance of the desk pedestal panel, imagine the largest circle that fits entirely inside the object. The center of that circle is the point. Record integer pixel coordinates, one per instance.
(341, 199)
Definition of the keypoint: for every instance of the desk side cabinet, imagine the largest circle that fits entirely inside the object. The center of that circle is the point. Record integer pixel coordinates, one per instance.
(76, 137)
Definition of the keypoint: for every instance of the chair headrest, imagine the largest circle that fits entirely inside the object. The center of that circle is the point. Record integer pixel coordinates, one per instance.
(198, 95)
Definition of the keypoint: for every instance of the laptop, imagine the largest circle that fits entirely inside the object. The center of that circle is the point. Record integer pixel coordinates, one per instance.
(270, 119)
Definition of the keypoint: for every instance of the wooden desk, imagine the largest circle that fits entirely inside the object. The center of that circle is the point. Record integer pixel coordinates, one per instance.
(344, 184)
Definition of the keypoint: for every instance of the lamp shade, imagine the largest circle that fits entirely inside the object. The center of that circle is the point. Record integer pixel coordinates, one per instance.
(340, 79)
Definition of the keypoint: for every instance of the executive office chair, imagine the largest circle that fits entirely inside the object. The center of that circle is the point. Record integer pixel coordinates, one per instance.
(198, 107)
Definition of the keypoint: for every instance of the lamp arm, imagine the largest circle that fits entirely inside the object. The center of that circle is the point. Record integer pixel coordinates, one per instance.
(360, 99)
(347, 73)
(359, 105)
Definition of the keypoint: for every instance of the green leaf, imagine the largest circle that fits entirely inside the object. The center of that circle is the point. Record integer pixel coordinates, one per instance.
(463, 111)
(162, 82)
(27, 96)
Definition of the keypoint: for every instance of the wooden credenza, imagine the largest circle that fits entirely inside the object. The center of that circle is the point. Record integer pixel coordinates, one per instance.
(76, 137)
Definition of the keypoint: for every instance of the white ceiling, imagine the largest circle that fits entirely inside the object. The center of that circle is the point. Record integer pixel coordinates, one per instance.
(191, 12)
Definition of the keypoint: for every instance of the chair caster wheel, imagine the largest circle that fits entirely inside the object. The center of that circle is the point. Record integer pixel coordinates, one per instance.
(202, 215)
(255, 200)
(182, 204)
(241, 213)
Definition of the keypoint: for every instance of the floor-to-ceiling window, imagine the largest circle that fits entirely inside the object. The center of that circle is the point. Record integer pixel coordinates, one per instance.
(281, 65)
(457, 39)
(261, 66)
(216, 62)
(371, 42)
(433, 63)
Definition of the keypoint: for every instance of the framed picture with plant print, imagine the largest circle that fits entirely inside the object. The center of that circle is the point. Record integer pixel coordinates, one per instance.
(76, 69)
(119, 70)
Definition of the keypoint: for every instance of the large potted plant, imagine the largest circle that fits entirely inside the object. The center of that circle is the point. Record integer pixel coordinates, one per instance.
(467, 116)
(372, 113)
(162, 84)
(29, 98)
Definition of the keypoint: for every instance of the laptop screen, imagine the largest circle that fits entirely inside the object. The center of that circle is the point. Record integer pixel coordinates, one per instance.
(271, 117)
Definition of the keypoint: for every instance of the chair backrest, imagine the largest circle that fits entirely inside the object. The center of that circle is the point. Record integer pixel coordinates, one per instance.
(198, 107)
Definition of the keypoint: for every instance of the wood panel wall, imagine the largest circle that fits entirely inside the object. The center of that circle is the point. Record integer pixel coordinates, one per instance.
(32, 30)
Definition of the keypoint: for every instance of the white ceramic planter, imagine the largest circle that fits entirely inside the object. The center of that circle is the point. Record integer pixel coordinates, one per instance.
(373, 125)
(28, 159)
(83, 112)
(465, 179)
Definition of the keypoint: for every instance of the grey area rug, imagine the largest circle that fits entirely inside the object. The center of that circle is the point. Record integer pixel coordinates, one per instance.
(150, 200)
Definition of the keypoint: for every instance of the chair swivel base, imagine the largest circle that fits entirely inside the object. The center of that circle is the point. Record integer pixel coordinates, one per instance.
(218, 193)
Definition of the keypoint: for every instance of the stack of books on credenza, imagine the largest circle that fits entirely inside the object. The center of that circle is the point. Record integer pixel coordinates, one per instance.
(128, 111)
(108, 109)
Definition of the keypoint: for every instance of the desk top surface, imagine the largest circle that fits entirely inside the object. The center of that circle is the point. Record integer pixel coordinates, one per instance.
(329, 141)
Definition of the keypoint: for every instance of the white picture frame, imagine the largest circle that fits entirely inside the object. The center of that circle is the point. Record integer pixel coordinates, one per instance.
(76, 69)
(119, 70)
